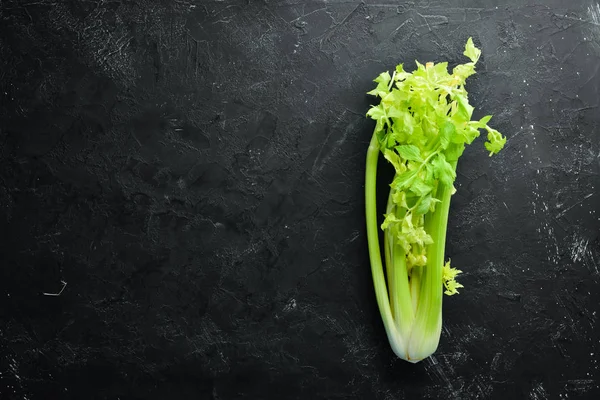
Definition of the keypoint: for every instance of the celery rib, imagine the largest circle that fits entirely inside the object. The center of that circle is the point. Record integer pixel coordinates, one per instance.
(381, 293)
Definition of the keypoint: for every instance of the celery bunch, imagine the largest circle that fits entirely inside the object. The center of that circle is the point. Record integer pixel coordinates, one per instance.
(423, 122)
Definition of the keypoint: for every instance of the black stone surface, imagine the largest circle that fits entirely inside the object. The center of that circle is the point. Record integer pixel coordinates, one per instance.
(193, 171)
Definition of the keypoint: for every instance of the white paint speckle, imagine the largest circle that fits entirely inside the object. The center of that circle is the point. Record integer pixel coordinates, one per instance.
(291, 305)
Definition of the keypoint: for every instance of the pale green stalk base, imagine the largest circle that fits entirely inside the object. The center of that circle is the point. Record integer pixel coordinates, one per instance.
(412, 313)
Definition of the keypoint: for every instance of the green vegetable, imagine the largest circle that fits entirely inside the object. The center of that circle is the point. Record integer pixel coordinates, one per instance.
(423, 122)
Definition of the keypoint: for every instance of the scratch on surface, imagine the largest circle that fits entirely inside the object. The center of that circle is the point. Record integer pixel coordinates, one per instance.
(353, 338)
(572, 324)
(434, 368)
(64, 285)
(579, 386)
(347, 17)
(579, 248)
(400, 27)
(306, 15)
(314, 167)
(495, 362)
(594, 13)
(331, 30)
(483, 387)
(587, 196)
(538, 392)
(436, 20)
(456, 359)
(594, 22)
(591, 257)
(323, 157)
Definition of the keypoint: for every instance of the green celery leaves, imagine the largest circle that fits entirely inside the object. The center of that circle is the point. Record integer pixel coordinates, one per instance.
(424, 123)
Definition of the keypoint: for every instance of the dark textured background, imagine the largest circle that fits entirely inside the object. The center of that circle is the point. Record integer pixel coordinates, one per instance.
(194, 172)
